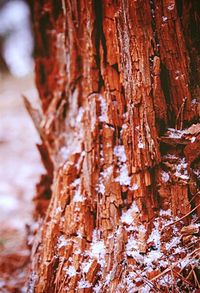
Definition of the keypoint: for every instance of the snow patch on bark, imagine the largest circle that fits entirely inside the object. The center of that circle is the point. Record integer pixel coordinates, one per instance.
(62, 241)
(97, 249)
(84, 284)
(103, 117)
(70, 271)
(165, 176)
(128, 216)
(123, 178)
(175, 133)
(140, 143)
(134, 187)
(181, 170)
(85, 266)
(105, 175)
(119, 152)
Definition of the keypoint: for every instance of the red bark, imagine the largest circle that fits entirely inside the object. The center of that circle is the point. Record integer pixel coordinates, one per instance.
(113, 76)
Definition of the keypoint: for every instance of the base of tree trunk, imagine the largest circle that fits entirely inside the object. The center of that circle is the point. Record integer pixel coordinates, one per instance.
(118, 86)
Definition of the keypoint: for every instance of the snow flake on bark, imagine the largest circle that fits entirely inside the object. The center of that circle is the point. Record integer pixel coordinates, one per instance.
(84, 284)
(197, 173)
(97, 249)
(62, 241)
(181, 170)
(103, 117)
(171, 7)
(70, 271)
(78, 197)
(155, 236)
(165, 213)
(32, 282)
(85, 266)
(175, 133)
(79, 115)
(128, 216)
(164, 18)
(146, 288)
(105, 175)
(140, 143)
(165, 176)
(166, 280)
(123, 178)
(76, 182)
(97, 288)
(134, 187)
(119, 152)
(58, 210)
(173, 243)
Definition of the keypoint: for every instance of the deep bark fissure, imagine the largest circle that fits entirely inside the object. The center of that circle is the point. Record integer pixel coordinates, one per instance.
(165, 84)
(99, 40)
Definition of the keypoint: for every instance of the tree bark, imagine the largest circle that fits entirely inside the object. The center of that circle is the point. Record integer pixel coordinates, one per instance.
(119, 89)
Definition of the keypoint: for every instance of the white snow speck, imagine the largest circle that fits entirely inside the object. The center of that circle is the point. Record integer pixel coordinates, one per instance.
(70, 271)
(79, 115)
(181, 170)
(134, 187)
(127, 217)
(119, 152)
(85, 266)
(97, 288)
(155, 236)
(175, 133)
(164, 18)
(58, 210)
(140, 143)
(123, 177)
(165, 213)
(146, 288)
(62, 241)
(103, 117)
(104, 176)
(78, 197)
(174, 242)
(84, 284)
(170, 7)
(97, 249)
(76, 182)
(124, 126)
(165, 176)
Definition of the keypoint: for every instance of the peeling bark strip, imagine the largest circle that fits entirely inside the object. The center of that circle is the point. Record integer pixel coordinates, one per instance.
(118, 86)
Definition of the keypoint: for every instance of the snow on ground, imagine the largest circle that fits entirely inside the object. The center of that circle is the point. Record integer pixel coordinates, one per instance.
(19, 158)
(20, 167)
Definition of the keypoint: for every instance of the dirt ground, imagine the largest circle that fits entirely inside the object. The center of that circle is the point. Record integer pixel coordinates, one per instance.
(20, 168)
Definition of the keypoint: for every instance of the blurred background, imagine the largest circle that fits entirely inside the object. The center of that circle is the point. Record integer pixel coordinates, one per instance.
(20, 165)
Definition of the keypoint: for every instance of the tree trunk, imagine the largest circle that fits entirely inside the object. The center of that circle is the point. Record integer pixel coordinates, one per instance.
(118, 82)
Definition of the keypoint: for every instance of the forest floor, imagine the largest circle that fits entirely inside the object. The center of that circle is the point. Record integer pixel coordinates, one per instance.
(19, 172)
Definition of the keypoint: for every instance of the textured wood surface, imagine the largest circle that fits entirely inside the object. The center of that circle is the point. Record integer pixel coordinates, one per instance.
(118, 88)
